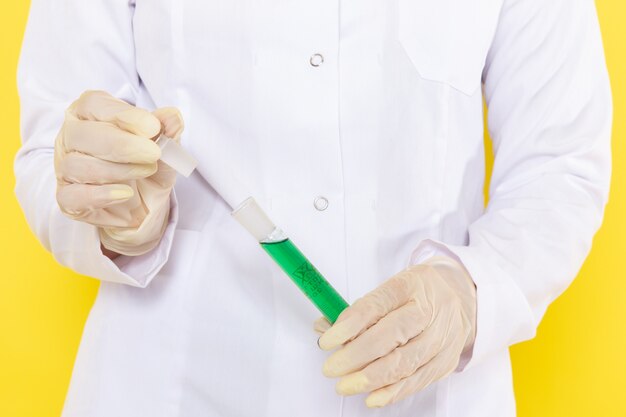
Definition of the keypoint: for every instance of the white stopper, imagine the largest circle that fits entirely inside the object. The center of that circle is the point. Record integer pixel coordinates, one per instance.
(250, 215)
(176, 156)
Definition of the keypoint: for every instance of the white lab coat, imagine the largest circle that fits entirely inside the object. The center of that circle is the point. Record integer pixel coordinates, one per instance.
(388, 128)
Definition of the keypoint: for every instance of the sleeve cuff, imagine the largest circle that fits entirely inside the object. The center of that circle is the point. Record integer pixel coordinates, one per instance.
(80, 251)
(503, 316)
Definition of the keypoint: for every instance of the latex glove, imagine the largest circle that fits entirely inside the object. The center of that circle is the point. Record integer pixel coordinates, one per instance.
(404, 335)
(108, 170)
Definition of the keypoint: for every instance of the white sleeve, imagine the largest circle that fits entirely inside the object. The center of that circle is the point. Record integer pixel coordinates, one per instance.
(69, 47)
(550, 115)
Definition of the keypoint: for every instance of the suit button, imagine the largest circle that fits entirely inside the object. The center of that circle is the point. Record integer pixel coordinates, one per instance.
(320, 203)
(316, 60)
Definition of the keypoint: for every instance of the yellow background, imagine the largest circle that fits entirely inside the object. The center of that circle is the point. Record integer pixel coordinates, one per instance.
(575, 367)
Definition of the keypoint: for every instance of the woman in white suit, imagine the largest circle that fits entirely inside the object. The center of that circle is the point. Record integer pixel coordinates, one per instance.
(358, 127)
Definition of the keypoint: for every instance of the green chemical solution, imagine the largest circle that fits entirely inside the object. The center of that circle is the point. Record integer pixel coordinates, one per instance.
(306, 277)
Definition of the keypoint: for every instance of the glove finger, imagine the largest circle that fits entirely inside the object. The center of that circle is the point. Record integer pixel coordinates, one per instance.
(393, 330)
(367, 310)
(129, 215)
(106, 141)
(172, 124)
(76, 167)
(81, 197)
(442, 365)
(103, 107)
(402, 362)
(77, 200)
(321, 325)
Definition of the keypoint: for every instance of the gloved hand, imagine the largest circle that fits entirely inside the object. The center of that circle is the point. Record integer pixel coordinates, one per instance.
(108, 170)
(404, 335)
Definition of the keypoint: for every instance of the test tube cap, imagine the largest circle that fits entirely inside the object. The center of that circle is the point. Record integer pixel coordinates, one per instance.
(250, 215)
(176, 156)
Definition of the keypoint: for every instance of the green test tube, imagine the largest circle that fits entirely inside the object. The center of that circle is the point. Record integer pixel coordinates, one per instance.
(306, 277)
(291, 260)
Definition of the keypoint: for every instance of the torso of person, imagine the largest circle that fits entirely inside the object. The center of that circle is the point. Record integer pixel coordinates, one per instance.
(358, 126)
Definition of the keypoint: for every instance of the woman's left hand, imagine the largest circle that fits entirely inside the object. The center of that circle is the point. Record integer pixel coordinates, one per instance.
(404, 335)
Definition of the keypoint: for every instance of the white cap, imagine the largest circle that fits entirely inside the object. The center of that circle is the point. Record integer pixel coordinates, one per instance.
(250, 215)
(176, 156)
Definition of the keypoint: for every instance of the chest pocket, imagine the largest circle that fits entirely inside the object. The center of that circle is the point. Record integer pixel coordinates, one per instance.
(447, 40)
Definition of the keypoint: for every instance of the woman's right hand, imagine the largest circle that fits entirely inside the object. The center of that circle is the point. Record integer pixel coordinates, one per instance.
(108, 170)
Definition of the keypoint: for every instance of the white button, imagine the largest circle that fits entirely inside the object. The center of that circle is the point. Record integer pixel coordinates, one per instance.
(320, 203)
(316, 60)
